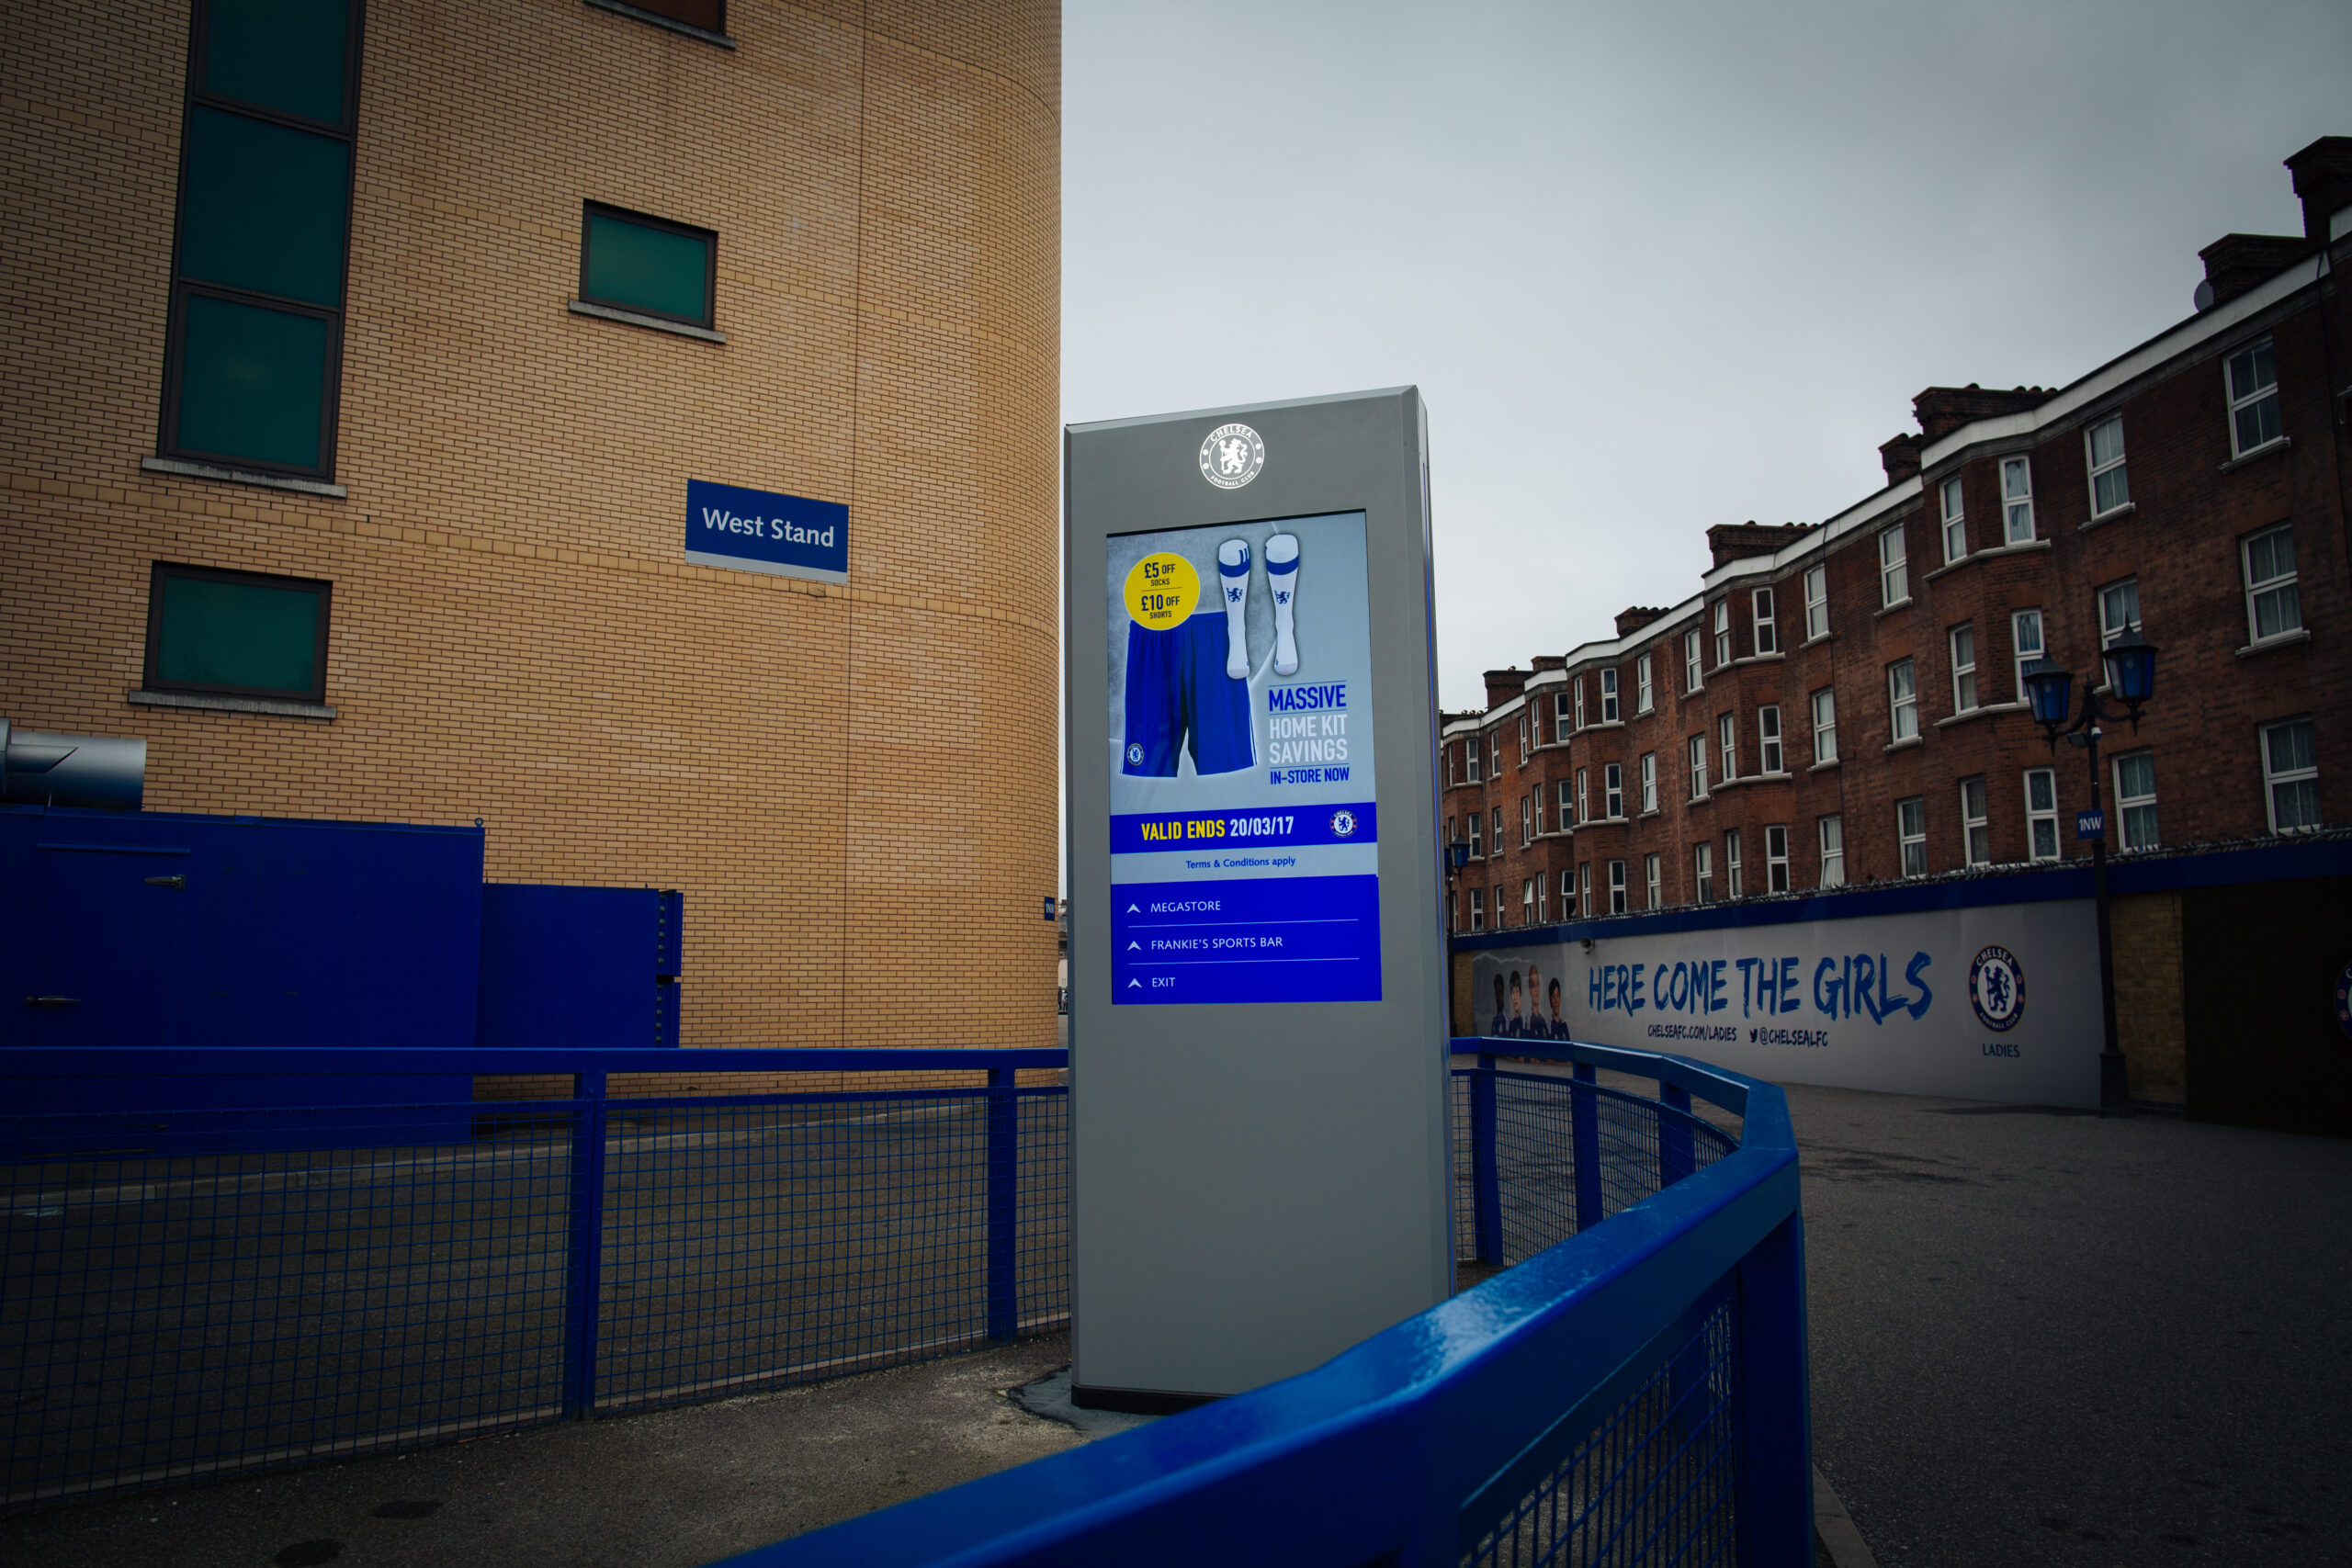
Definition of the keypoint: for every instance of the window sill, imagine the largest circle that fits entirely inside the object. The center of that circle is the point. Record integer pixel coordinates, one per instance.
(2126, 510)
(1905, 743)
(1772, 658)
(282, 706)
(1647, 815)
(2267, 447)
(632, 319)
(1982, 711)
(1823, 767)
(1902, 603)
(669, 23)
(1604, 724)
(1995, 553)
(2284, 639)
(1816, 641)
(188, 471)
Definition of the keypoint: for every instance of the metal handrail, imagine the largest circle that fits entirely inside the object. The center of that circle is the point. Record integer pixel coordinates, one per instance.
(1395, 1448)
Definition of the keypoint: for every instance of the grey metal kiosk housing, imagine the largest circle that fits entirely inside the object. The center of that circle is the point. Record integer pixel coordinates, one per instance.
(1260, 1164)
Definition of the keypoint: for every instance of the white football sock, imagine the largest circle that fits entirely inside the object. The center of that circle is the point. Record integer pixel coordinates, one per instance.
(1233, 569)
(1282, 577)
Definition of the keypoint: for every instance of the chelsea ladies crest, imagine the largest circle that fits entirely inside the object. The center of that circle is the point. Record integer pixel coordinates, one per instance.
(1232, 456)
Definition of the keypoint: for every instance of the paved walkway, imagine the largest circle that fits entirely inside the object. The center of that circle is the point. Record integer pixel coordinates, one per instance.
(2049, 1338)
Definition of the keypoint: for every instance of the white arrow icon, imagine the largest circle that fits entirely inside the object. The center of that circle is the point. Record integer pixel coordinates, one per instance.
(1135, 985)
(1133, 946)
(1133, 911)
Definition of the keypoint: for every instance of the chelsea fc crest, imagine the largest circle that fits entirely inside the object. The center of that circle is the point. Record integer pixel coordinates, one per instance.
(1232, 456)
(1996, 989)
(1134, 753)
(1343, 823)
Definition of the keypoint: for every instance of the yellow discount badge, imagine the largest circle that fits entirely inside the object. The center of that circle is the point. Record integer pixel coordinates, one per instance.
(1162, 590)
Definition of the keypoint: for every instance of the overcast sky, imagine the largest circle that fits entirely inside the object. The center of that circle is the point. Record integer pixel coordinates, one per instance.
(1653, 267)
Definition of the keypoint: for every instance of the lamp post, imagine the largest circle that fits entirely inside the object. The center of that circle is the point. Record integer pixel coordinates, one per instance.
(2131, 666)
(1457, 855)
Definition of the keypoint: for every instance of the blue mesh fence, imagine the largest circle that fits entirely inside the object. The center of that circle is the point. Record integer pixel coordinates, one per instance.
(184, 1295)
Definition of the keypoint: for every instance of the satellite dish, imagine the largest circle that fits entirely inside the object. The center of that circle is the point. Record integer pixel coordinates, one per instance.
(2204, 298)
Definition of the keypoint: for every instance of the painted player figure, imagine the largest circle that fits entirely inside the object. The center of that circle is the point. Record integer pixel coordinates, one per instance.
(1518, 1029)
(1559, 1024)
(1536, 1029)
(1501, 1026)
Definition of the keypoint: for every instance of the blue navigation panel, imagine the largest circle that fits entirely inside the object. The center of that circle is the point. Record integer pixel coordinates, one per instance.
(1244, 833)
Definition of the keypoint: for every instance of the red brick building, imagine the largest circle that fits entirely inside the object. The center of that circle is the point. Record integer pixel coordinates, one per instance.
(1839, 702)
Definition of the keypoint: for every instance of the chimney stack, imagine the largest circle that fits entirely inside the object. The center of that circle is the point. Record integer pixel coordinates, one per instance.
(1630, 621)
(2322, 174)
(1899, 457)
(1942, 410)
(1504, 684)
(1736, 541)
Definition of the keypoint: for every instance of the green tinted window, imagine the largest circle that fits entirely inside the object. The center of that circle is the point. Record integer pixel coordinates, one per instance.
(265, 208)
(282, 55)
(645, 268)
(251, 635)
(253, 383)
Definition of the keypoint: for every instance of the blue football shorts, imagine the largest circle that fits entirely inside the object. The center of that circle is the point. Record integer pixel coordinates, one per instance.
(1178, 692)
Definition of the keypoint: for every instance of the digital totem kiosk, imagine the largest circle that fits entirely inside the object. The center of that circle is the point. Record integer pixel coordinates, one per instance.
(1260, 1175)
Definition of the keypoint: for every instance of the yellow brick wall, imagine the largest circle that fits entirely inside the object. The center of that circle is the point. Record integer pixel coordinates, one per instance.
(854, 786)
(2150, 1025)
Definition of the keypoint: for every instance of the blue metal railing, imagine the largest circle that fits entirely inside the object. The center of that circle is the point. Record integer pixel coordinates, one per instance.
(1633, 1391)
(190, 1292)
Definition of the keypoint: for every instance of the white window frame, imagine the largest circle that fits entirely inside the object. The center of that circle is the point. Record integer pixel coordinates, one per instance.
(2112, 625)
(1497, 835)
(1776, 858)
(1975, 823)
(1965, 692)
(1613, 789)
(2126, 837)
(1649, 782)
(2020, 654)
(1470, 756)
(1562, 725)
(1768, 629)
(1523, 740)
(1831, 831)
(1584, 889)
(2280, 587)
(1825, 726)
(1816, 602)
(1502, 910)
(1652, 880)
(1477, 911)
(1618, 900)
(1526, 822)
(1723, 633)
(1579, 696)
(1696, 748)
(1693, 676)
(1955, 502)
(1644, 692)
(1727, 745)
(1894, 567)
(2017, 501)
(2108, 467)
(2259, 359)
(1527, 902)
(1771, 757)
(1571, 811)
(1903, 700)
(1911, 834)
(2301, 772)
(1584, 801)
(1702, 870)
(1734, 887)
(1609, 695)
(2041, 813)
(1477, 820)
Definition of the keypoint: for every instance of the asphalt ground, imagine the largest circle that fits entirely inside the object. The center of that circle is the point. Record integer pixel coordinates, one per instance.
(2049, 1338)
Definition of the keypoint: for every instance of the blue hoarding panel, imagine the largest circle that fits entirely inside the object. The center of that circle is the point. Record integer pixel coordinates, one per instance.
(753, 530)
(1308, 939)
(576, 967)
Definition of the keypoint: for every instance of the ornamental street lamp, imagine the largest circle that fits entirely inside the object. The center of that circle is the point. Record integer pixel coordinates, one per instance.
(2130, 664)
